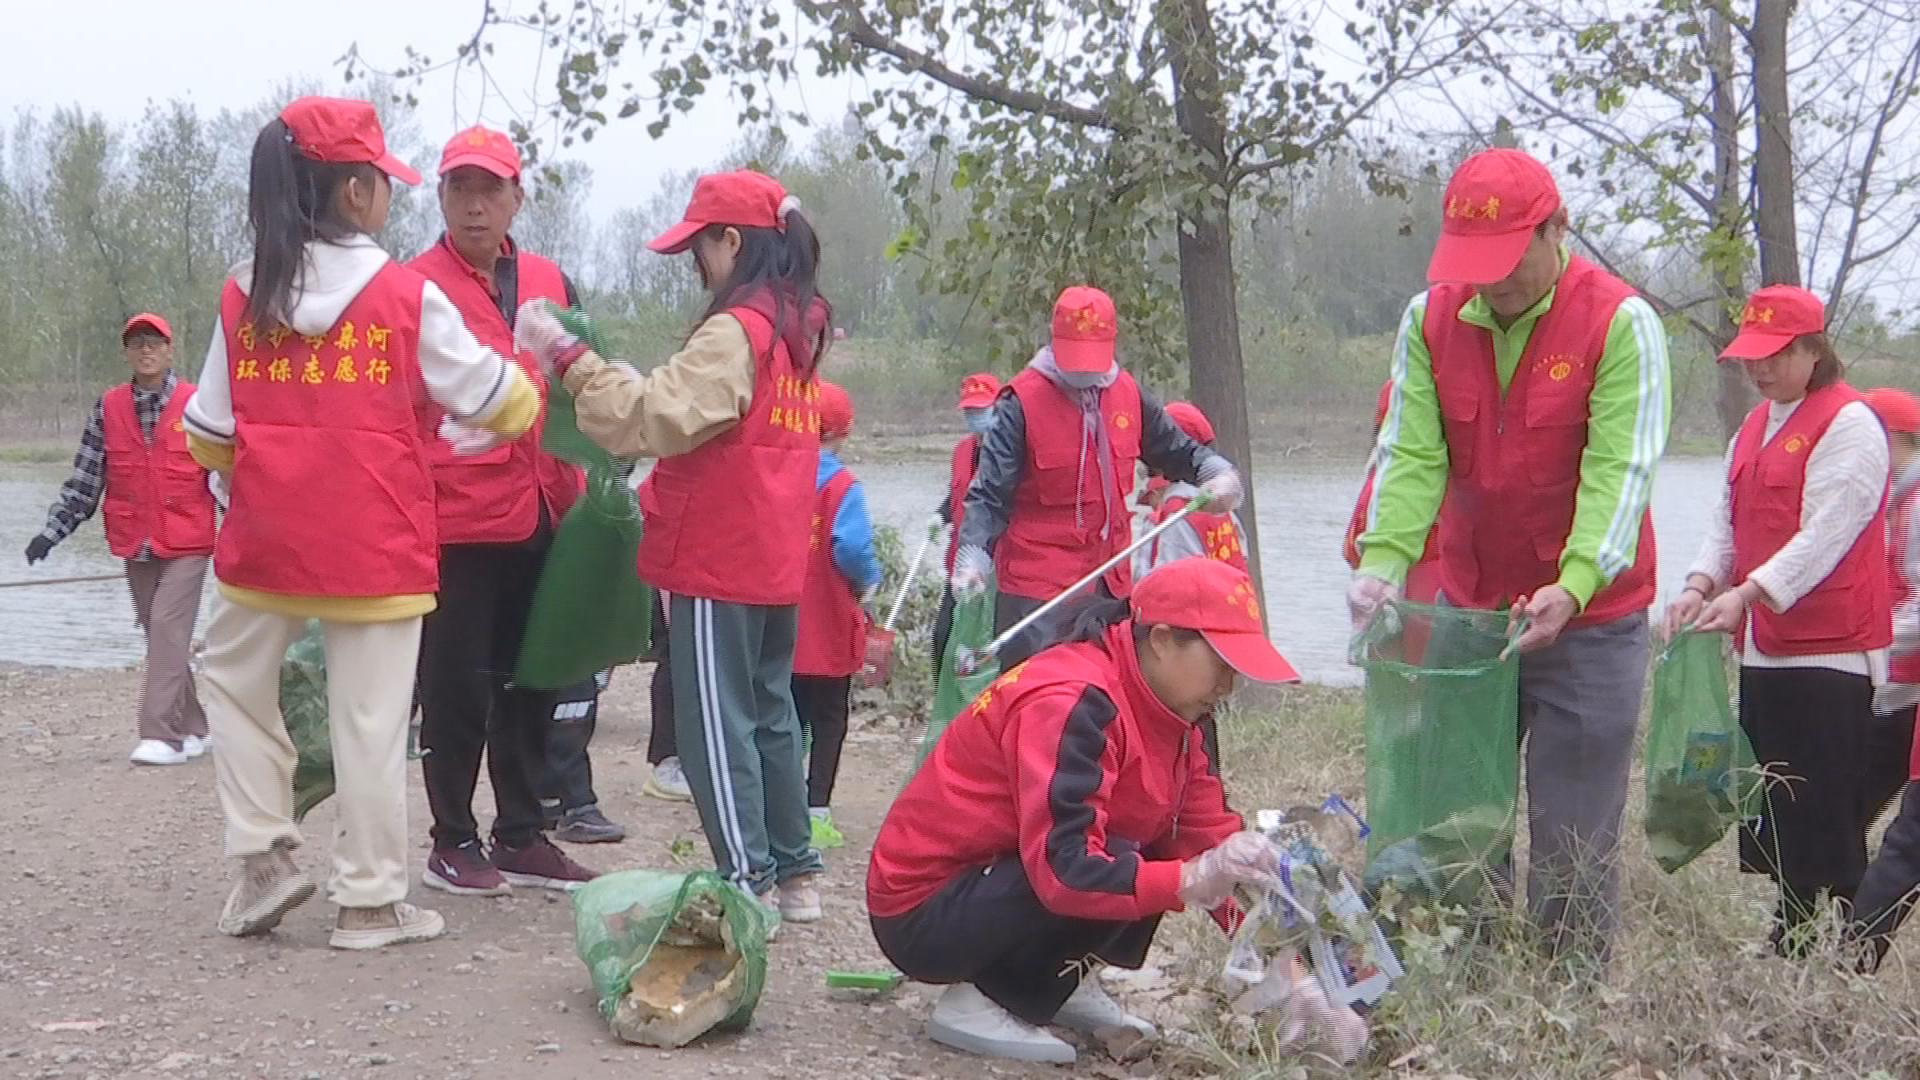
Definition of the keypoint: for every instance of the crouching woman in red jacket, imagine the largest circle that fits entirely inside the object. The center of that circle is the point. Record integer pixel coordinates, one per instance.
(1067, 810)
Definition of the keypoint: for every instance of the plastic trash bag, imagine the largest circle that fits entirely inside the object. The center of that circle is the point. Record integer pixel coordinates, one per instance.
(590, 609)
(952, 691)
(1443, 761)
(303, 708)
(672, 955)
(1701, 776)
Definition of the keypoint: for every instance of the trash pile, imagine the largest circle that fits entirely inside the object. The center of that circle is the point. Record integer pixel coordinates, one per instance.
(673, 955)
(1316, 916)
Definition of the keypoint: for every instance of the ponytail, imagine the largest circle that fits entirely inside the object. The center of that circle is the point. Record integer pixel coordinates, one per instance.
(786, 263)
(290, 201)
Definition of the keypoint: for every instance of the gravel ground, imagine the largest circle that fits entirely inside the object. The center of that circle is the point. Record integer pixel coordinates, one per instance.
(110, 965)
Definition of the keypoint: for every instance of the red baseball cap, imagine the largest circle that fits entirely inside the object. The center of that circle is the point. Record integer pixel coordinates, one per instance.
(744, 199)
(1773, 318)
(1217, 599)
(1898, 410)
(482, 148)
(1494, 202)
(147, 320)
(343, 131)
(1085, 327)
(978, 390)
(1192, 421)
(836, 410)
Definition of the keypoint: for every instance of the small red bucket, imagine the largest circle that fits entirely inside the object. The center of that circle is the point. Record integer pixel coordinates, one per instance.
(877, 666)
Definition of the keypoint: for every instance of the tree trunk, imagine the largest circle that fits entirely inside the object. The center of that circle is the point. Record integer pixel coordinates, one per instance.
(1209, 294)
(1773, 145)
(1729, 272)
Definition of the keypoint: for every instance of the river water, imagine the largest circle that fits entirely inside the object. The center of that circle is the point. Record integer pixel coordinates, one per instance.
(1303, 514)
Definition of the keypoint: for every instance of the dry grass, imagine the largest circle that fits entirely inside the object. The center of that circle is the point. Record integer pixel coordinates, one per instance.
(1693, 991)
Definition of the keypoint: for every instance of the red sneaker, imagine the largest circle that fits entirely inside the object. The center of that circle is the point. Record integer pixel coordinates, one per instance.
(463, 871)
(540, 865)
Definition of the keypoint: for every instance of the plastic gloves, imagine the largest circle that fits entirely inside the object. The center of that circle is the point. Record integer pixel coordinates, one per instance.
(537, 329)
(971, 565)
(466, 441)
(1220, 482)
(1245, 858)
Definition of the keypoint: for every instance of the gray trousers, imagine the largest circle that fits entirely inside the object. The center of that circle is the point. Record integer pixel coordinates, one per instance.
(739, 737)
(1579, 710)
(166, 603)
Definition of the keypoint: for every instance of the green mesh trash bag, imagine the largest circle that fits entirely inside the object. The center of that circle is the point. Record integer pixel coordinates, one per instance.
(952, 691)
(1443, 757)
(303, 708)
(562, 436)
(1701, 776)
(590, 609)
(672, 955)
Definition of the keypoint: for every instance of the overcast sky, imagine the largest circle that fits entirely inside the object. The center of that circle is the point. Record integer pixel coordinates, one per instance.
(114, 56)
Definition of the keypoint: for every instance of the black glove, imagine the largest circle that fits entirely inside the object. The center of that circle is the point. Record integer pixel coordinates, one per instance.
(37, 549)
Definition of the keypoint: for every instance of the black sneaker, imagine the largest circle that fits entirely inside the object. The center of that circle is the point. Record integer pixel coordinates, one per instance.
(588, 826)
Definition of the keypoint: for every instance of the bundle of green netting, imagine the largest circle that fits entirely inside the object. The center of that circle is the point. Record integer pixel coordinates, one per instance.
(303, 709)
(952, 691)
(590, 609)
(1442, 750)
(672, 955)
(1701, 776)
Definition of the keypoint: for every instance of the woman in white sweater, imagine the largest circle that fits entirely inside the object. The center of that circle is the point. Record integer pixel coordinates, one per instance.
(1795, 566)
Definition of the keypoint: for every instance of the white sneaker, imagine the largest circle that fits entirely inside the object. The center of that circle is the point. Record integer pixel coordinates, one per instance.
(799, 901)
(155, 752)
(1091, 1010)
(194, 746)
(668, 782)
(964, 1019)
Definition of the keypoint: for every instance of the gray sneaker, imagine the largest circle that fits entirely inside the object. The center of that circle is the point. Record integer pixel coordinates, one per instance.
(588, 826)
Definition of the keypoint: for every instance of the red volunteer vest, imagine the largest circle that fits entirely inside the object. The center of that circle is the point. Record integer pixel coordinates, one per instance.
(1852, 610)
(332, 492)
(1515, 458)
(1900, 516)
(495, 497)
(833, 628)
(728, 519)
(1053, 537)
(156, 493)
(966, 461)
(1219, 536)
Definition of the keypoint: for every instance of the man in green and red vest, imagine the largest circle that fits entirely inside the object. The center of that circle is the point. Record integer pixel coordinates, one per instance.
(1528, 411)
(133, 459)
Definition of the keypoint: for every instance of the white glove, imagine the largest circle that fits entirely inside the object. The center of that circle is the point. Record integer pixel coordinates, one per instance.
(971, 565)
(1245, 858)
(1304, 1005)
(1220, 483)
(536, 329)
(467, 441)
(1365, 595)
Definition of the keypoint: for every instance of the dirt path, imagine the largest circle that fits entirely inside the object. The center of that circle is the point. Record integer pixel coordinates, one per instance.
(110, 965)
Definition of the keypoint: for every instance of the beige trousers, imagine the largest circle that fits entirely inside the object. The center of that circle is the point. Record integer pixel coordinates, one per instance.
(166, 601)
(370, 668)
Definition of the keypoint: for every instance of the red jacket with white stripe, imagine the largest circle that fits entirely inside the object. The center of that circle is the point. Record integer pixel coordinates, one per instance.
(1071, 762)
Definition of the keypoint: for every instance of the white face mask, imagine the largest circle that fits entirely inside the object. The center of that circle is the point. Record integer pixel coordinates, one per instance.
(979, 421)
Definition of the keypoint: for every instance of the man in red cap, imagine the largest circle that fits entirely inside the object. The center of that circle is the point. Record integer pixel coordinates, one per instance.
(842, 571)
(1068, 810)
(159, 515)
(977, 394)
(1049, 502)
(1528, 410)
(498, 504)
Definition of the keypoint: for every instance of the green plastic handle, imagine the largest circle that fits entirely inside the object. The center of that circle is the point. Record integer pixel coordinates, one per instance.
(864, 980)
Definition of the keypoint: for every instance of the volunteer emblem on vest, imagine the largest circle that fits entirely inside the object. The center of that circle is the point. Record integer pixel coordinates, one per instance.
(1467, 210)
(1558, 366)
(1123, 421)
(179, 425)
(1794, 444)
